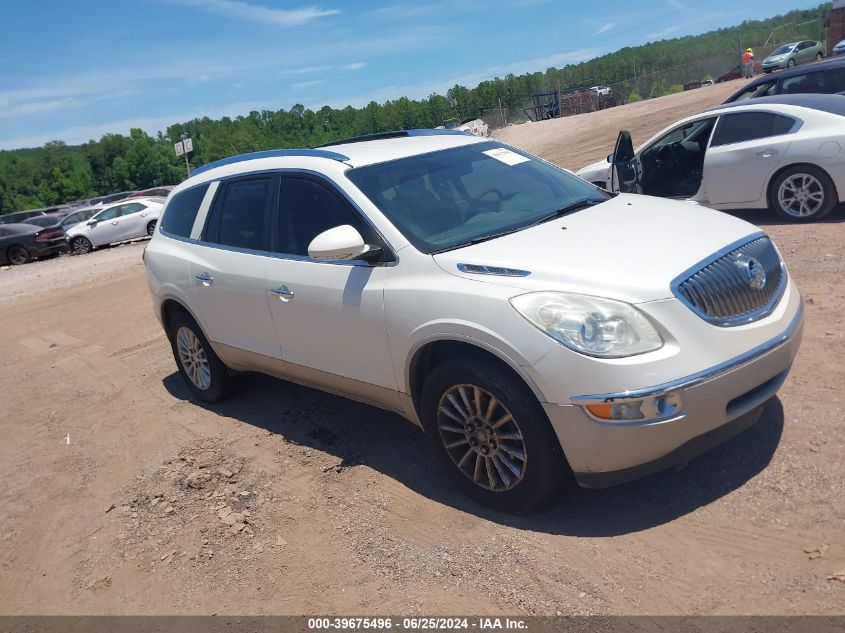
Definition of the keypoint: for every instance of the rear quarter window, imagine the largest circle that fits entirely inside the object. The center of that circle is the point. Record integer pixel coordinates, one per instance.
(182, 211)
(749, 126)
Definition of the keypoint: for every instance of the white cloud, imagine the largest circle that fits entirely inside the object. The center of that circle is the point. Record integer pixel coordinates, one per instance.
(685, 26)
(36, 107)
(605, 28)
(354, 66)
(302, 85)
(304, 71)
(258, 13)
(676, 4)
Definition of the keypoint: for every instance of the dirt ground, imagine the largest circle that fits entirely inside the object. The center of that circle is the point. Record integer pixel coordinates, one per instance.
(120, 495)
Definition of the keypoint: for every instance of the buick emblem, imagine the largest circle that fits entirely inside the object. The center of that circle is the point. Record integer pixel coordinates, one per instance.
(753, 272)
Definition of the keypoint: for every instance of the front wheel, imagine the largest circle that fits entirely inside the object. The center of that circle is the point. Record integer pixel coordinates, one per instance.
(151, 227)
(819, 56)
(803, 193)
(492, 436)
(18, 255)
(81, 245)
(790, 63)
(203, 371)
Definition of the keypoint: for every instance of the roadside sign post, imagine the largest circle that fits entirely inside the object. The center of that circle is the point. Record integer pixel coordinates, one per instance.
(183, 148)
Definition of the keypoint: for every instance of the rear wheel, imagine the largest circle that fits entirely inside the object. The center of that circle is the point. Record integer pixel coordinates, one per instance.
(17, 255)
(803, 193)
(492, 436)
(819, 56)
(151, 227)
(81, 245)
(203, 371)
(790, 63)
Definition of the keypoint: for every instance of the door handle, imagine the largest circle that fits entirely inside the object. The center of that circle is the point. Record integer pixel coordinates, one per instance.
(283, 292)
(114, 222)
(767, 153)
(205, 278)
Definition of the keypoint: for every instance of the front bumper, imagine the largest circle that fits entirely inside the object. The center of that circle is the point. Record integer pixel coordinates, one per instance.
(717, 404)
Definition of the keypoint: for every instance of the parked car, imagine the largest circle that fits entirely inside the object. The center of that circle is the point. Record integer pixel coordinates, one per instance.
(160, 192)
(825, 77)
(602, 91)
(78, 216)
(20, 243)
(47, 220)
(104, 201)
(117, 223)
(736, 72)
(788, 55)
(839, 49)
(781, 153)
(476, 127)
(706, 82)
(19, 216)
(532, 324)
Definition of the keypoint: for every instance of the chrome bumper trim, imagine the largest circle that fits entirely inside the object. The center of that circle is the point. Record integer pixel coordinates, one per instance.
(702, 376)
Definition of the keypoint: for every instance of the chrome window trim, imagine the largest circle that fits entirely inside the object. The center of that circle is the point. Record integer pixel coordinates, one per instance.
(703, 376)
(758, 314)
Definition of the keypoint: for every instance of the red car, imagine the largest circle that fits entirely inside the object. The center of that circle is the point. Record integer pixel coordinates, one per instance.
(161, 192)
(736, 72)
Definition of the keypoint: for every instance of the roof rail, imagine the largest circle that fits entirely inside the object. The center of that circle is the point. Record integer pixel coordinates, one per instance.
(377, 136)
(273, 153)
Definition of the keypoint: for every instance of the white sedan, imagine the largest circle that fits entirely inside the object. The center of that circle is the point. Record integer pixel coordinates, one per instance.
(117, 223)
(785, 153)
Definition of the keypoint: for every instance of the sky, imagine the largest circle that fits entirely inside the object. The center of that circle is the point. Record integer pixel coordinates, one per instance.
(73, 71)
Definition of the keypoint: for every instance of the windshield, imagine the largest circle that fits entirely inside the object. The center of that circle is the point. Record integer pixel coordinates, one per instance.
(783, 50)
(462, 195)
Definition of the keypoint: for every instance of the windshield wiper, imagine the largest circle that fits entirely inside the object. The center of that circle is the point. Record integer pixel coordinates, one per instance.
(572, 206)
(568, 208)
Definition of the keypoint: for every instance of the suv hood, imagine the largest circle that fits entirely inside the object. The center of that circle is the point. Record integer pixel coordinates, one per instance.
(629, 248)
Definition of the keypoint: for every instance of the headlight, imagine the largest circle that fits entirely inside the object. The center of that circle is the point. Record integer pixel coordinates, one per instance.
(590, 325)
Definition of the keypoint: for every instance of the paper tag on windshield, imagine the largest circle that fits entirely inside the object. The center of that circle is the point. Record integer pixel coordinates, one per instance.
(506, 156)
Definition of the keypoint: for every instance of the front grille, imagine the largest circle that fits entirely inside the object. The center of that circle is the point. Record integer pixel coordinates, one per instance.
(739, 286)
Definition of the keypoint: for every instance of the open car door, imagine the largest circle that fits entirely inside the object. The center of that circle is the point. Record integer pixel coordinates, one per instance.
(626, 172)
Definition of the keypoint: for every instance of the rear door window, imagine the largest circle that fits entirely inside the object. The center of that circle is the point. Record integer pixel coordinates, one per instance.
(748, 126)
(182, 211)
(240, 216)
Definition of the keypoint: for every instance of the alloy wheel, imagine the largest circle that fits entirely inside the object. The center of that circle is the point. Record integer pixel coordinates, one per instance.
(193, 358)
(80, 246)
(481, 437)
(801, 195)
(17, 255)
(151, 227)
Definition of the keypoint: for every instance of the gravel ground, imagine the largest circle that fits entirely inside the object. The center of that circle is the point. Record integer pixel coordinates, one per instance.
(121, 495)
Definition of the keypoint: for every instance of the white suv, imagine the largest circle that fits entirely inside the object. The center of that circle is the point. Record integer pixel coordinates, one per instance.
(534, 325)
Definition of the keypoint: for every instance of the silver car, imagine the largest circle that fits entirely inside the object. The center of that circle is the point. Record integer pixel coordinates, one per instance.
(787, 55)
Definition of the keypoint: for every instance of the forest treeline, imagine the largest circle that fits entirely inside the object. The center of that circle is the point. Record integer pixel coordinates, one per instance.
(57, 173)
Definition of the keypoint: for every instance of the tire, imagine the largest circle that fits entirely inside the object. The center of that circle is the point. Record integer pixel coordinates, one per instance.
(790, 63)
(805, 182)
(17, 255)
(535, 479)
(81, 246)
(819, 56)
(151, 227)
(201, 369)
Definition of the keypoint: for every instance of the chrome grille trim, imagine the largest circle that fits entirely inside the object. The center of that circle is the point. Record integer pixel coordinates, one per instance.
(721, 289)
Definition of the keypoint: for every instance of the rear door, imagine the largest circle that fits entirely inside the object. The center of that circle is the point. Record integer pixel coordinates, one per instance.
(132, 220)
(745, 150)
(228, 267)
(106, 227)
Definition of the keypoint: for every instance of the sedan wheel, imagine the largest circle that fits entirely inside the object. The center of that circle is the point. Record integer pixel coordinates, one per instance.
(81, 245)
(802, 194)
(790, 63)
(481, 437)
(151, 227)
(818, 56)
(18, 255)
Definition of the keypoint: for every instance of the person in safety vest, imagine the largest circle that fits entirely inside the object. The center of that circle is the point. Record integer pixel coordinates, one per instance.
(748, 64)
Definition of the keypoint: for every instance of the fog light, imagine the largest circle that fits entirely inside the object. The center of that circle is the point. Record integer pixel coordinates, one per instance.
(647, 409)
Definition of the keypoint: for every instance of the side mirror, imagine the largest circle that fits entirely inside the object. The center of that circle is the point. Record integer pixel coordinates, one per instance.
(91, 222)
(610, 158)
(341, 242)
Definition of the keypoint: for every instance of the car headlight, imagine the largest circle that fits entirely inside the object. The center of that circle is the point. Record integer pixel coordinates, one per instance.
(590, 325)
